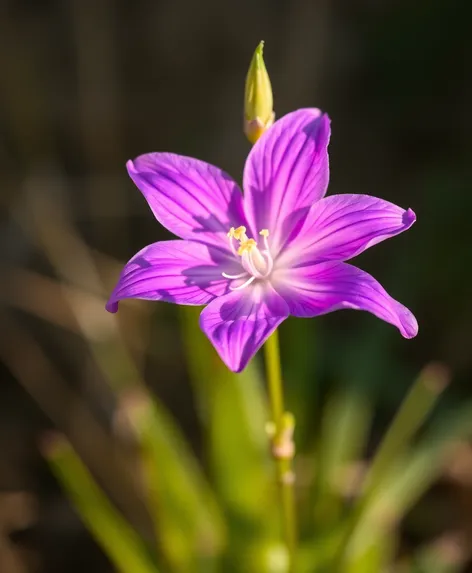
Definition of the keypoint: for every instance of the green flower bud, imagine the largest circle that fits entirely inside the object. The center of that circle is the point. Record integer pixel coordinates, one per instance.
(258, 103)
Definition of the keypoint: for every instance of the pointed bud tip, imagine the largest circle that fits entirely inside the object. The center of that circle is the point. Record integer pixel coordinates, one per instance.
(259, 50)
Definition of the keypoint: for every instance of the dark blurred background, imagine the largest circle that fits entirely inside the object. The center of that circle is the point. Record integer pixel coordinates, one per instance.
(86, 85)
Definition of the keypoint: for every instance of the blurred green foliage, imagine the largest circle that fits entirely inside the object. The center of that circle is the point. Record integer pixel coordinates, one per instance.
(84, 87)
(225, 516)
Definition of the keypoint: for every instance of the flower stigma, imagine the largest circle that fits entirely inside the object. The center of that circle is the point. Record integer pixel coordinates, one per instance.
(257, 263)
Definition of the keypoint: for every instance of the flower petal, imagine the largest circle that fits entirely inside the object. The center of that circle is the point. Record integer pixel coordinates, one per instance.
(286, 172)
(191, 198)
(342, 226)
(184, 272)
(324, 287)
(238, 323)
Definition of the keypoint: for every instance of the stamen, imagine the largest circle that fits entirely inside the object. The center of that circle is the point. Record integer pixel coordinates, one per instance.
(244, 285)
(270, 261)
(265, 233)
(233, 277)
(230, 236)
(246, 245)
(239, 233)
(248, 264)
(256, 261)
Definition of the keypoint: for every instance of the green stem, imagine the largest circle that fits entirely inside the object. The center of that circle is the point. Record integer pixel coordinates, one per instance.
(274, 380)
(282, 444)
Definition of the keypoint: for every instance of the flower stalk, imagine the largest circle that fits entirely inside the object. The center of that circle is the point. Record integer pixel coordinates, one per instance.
(280, 431)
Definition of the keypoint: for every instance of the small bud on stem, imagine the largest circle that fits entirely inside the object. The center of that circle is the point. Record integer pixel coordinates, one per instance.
(258, 102)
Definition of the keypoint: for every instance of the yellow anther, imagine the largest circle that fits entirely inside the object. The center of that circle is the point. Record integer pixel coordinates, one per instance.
(246, 246)
(264, 233)
(239, 232)
(230, 233)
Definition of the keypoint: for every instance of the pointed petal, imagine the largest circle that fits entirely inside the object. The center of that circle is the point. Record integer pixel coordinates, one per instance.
(286, 172)
(342, 226)
(184, 272)
(238, 323)
(324, 287)
(191, 198)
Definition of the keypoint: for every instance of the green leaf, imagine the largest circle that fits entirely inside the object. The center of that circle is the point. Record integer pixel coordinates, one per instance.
(373, 557)
(118, 539)
(345, 426)
(190, 527)
(412, 474)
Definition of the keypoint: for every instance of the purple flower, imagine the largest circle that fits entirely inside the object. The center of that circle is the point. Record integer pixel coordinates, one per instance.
(279, 250)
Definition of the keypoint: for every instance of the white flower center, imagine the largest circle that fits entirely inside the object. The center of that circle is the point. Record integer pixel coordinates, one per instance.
(257, 263)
